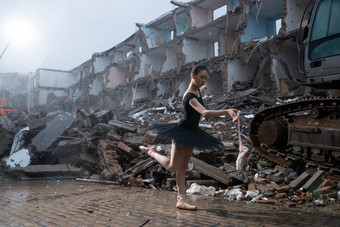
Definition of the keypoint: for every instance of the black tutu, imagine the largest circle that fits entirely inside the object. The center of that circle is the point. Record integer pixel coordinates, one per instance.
(192, 139)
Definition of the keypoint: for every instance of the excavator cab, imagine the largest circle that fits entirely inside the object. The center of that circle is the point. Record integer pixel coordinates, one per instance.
(308, 129)
(321, 45)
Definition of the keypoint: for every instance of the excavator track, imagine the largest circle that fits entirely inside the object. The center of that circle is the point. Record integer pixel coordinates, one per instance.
(274, 132)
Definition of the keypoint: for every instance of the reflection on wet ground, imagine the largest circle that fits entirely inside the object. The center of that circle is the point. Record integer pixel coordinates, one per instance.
(74, 203)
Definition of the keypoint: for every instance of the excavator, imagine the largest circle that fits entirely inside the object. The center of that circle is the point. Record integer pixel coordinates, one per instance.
(4, 111)
(305, 134)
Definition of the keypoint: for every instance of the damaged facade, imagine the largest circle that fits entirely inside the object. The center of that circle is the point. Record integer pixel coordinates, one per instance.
(243, 41)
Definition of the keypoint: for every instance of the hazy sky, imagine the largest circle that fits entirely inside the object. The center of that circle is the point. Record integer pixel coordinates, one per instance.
(62, 34)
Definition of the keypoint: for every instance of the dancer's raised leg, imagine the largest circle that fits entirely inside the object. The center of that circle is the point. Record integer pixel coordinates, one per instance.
(161, 159)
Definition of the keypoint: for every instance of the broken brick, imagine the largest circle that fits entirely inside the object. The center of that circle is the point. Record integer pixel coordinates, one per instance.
(296, 199)
(283, 188)
(127, 149)
(329, 195)
(260, 180)
(251, 186)
(327, 182)
(263, 187)
(281, 195)
(274, 185)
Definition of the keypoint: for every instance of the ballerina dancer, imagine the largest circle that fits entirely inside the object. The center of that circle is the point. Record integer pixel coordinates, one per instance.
(186, 135)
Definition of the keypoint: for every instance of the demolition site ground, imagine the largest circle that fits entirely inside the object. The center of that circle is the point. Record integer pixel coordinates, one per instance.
(87, 170)
(74, 203)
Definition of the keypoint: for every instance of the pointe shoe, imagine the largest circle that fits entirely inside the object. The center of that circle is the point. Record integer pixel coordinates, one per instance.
(181, 204)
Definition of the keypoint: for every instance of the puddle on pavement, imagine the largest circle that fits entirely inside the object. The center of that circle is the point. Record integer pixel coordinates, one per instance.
(235, 213)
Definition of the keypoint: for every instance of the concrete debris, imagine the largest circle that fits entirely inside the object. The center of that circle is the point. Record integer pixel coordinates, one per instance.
(314, 181)
(50, 133)
(102, 147)
(301, 180)
(211, 171)
(46, 171)
(97, 181)
(138, 168)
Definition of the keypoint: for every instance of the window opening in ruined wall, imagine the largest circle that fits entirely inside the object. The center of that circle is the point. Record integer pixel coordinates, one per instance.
(277, 26)
(127, 55)
(220, 12)
(215, 44)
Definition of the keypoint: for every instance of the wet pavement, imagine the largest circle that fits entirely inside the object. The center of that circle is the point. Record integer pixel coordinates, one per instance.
(76, 203)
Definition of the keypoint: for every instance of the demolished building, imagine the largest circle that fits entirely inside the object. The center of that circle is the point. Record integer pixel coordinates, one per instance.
(240, 41)
(246, 45)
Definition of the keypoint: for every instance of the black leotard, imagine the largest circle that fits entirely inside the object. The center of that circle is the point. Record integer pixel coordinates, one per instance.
(186, 132)
(191, 117)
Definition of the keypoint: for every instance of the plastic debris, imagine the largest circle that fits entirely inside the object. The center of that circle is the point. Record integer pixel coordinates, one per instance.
(252, 193)
(256, 198)
(196, 189)
(233, 194)
(319, 202)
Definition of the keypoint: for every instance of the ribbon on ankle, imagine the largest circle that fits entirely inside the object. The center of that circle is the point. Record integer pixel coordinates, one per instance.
(242, 150)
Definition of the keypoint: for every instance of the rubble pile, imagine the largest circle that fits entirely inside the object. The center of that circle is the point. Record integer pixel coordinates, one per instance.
(103, 146)
(277, 185)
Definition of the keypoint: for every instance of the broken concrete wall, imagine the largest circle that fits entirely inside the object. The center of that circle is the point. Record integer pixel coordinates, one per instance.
(151, 63)
(182, 23)
(116, 76)
(144, 89)
(235, 73)
(214, 83)
(262, 19)
(228, 37)
(14, 88)
(118, 56)
(100, 62)
(83, 72)
(171, 60)
(200, 16)
(163, 86)
(289, 54)
(155, 38)
(50, 85)
(97, 84)
(195, 50)
(284, 68)
(125, 97)
(232, 4)
(295, 10)
(184, 85)
(140, 92)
